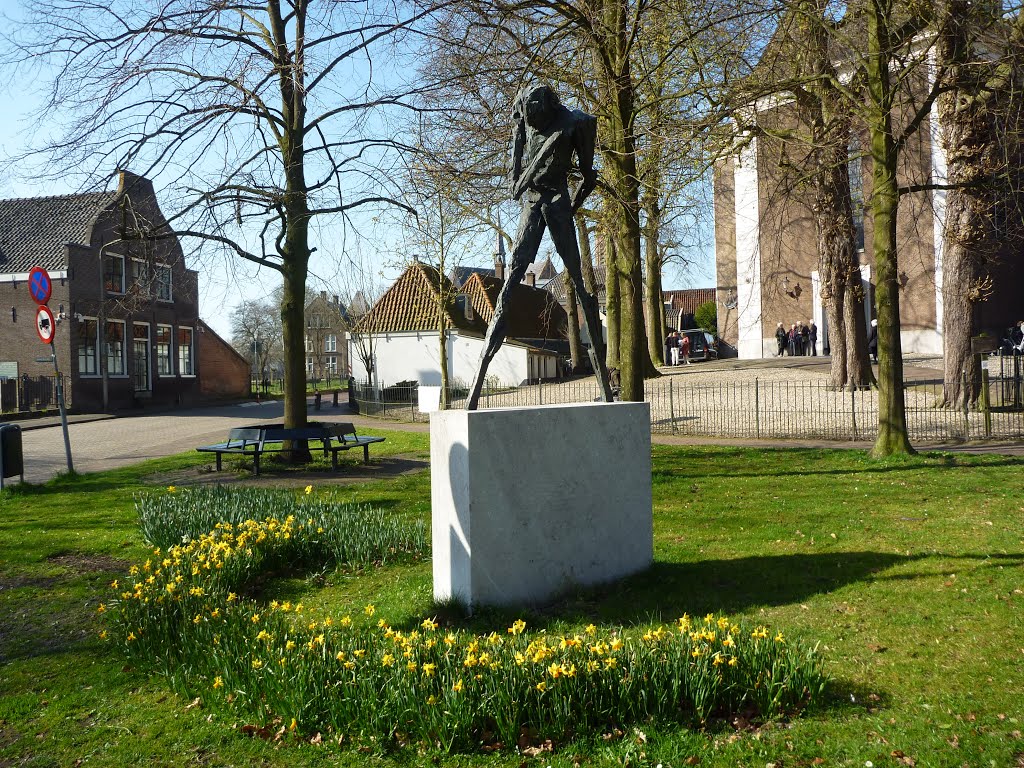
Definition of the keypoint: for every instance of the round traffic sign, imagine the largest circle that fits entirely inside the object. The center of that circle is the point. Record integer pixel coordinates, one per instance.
(46, 326)
(39, 285)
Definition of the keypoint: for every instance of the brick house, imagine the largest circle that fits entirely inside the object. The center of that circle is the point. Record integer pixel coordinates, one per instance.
(226, 374)
(131, 313)
(326, 339)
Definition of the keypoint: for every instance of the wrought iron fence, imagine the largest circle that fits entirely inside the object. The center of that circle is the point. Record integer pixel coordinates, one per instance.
(29, 393)
(752, 409)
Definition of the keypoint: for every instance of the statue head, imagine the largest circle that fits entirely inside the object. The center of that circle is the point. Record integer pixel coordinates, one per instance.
(537, 104)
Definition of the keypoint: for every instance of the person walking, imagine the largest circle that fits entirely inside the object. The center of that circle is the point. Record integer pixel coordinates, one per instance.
(780, 339)
(812, 330)
(684, 347)
(873, 341)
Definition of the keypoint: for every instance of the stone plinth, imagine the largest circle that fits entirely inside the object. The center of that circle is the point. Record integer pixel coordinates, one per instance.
(529, 502)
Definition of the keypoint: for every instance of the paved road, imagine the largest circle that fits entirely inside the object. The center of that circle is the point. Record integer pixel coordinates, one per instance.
(100, 442)
(108, 443)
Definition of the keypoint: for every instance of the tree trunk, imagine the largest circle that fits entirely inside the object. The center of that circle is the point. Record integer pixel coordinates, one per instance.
(442, 339)
(653, 294)
(968, 138)
(613, 303)
(586, 255)
(892, 417)
(573, 310)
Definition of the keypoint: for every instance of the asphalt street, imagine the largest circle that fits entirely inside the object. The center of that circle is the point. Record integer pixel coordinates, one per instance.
(109, 443)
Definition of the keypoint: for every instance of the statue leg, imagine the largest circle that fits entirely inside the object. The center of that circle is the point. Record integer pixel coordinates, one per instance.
(531, 230)
(563, 233)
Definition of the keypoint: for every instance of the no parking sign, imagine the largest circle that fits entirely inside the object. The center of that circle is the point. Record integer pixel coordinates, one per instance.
(40, 285)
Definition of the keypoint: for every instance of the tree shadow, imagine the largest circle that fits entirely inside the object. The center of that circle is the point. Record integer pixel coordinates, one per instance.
(666, 591)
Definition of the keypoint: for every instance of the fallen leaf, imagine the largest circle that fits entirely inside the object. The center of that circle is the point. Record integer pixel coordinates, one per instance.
(317, 739)
(693, 760)
(196, 702)
(877, 648)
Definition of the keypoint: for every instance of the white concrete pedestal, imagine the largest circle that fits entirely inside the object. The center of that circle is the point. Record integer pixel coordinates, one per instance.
(530, 502)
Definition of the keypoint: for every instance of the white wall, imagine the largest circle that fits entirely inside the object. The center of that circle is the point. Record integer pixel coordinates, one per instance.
(413, 356)
(752, 342)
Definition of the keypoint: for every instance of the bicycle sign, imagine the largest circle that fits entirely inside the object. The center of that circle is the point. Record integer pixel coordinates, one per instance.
(40, 285)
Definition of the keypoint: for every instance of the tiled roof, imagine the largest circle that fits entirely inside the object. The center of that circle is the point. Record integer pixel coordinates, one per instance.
(460, 275)
(534, 312)
(557, 286)
(410, 304)
(34, 230)
(687, 301)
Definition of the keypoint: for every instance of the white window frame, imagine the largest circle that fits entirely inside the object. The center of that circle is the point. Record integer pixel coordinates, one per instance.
(158, 283)
(330, 343)
(331, 365)
(170, 350)
(95, 351)
(123, 373)
(182, 372)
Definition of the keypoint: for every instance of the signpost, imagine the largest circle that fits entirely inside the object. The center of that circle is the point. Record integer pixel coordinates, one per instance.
(40, 286)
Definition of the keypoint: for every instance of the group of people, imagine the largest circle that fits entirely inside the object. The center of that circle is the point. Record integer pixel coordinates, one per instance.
(678, 345)
(800, 339)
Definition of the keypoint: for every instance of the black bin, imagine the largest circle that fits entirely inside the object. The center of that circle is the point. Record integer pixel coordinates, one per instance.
(12, 460)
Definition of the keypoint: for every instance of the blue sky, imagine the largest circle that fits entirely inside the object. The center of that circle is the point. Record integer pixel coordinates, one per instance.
(225, 282)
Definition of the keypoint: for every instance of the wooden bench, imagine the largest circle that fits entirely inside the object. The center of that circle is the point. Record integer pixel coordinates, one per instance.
(270, 438)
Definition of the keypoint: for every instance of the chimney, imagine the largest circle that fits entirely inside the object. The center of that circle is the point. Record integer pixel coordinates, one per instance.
(323, 295)
(531, 279)
(499, 270)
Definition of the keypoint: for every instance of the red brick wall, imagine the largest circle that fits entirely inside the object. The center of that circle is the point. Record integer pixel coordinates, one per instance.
(223, 373)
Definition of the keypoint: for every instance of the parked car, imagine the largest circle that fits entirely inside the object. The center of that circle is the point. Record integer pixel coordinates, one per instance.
(703, 346)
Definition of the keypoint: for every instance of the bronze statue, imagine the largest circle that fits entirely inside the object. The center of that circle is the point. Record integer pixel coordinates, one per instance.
(545, 136)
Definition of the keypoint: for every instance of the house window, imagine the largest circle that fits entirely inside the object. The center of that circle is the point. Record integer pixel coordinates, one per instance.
(113, 273)
(856, 172)
(113, 342)
(87, 347)
(309, 367)
(164, 365)
(332, 365)
(309, 344)
(163, 283)
(140, 276)
(331, 343)
(185, 352)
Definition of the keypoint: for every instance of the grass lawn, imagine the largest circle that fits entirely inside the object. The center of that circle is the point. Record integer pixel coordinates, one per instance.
(910, 574)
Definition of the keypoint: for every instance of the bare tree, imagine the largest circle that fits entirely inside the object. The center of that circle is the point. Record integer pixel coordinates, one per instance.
(256, 334)
(257, 116)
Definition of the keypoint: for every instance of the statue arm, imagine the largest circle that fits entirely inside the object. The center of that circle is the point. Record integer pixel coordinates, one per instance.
(585, 136)
(518, 148)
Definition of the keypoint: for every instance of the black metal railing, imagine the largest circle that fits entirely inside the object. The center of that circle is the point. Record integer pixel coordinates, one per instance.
(751, 409)
(30, 393)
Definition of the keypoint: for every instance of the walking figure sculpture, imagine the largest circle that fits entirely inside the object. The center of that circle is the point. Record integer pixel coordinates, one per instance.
(545, 135)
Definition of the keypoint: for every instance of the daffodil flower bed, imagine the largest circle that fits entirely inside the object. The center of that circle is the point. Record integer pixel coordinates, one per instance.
(359, 678)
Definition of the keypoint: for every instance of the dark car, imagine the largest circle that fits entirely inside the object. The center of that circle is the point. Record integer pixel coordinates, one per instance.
(703, 345)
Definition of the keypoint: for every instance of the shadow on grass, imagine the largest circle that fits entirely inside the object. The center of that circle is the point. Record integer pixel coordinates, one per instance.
(801, 462)
(666, 591)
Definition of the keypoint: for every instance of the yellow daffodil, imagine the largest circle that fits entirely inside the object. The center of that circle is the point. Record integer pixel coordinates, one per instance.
(171, 489)
(256, 663)
(131, 637)
(542, 686)
(218, 682)
(369, 610)
(345, 621)
(457, 687)
(309, 489)
(387, 660)
(429, 625)
(591, 629)
(517, 628)
(428, 669)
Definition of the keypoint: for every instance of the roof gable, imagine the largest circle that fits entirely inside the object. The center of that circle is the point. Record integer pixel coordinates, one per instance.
(411, 304)
(534, 313)
(34, 231)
